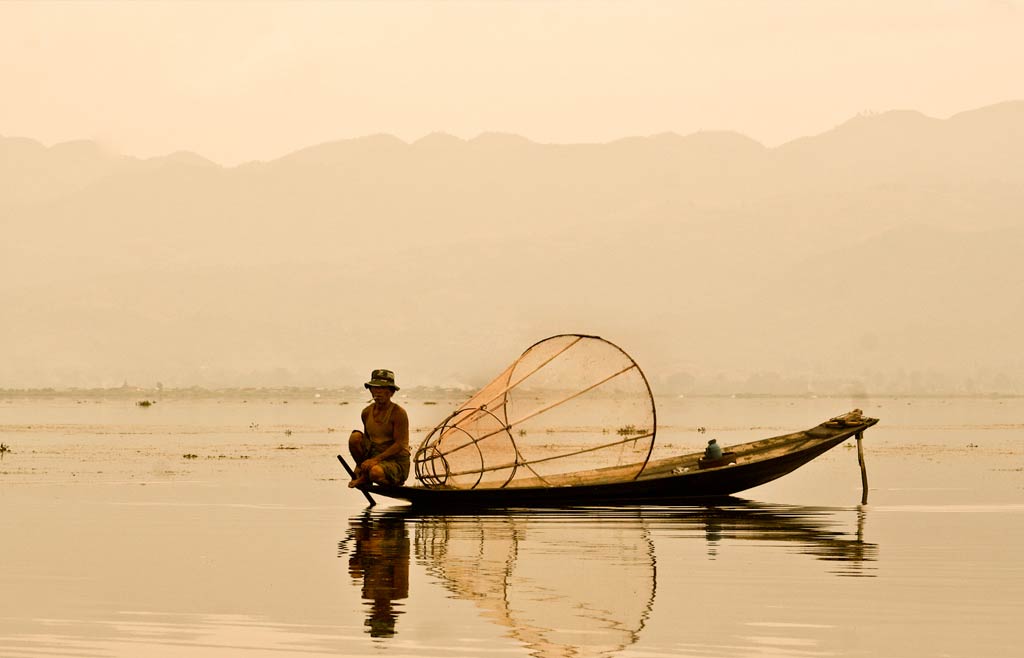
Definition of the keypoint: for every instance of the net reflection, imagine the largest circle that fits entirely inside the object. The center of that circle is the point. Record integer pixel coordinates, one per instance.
(582, 582)
(379, 549)
(582, 588)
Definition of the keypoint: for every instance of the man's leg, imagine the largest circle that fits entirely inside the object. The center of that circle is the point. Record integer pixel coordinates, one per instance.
(378, 474)
(389, 471)
(357, 447)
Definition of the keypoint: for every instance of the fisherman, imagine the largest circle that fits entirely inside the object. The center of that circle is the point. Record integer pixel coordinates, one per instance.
(381, 450)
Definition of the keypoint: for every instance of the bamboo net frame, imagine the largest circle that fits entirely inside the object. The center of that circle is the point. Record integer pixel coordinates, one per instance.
(478, 444)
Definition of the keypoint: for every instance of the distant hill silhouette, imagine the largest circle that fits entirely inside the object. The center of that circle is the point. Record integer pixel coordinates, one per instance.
(882, 255)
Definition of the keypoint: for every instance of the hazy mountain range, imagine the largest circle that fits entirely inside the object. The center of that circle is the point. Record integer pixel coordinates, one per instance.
(882, 256)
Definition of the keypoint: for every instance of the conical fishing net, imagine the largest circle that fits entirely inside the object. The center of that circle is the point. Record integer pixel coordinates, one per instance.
(569, 405)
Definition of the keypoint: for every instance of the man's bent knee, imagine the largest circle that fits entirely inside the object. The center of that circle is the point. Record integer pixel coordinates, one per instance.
(355, 445)
(378, 475)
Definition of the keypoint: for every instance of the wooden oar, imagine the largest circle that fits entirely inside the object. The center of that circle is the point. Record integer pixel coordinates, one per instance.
(352, 475)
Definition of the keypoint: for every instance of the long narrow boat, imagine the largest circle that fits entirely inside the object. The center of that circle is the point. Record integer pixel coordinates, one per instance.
(572, 421)
(665, 481)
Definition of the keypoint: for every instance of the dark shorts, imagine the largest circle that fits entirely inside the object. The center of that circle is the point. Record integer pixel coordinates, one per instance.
(396, 469)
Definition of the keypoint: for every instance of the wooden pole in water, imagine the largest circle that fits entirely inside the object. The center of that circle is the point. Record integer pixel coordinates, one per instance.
(352, 475)
(863, 469)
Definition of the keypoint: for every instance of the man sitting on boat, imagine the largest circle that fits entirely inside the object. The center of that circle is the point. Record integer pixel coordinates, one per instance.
(381, 450)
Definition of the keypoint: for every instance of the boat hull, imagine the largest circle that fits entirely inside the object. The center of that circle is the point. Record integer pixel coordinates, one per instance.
(757, 463)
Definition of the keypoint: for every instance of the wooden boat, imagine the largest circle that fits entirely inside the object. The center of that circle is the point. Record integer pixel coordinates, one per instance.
(572, 421)
(666, 481)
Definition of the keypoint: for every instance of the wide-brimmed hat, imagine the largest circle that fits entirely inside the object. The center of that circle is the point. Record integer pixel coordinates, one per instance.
(384, 378)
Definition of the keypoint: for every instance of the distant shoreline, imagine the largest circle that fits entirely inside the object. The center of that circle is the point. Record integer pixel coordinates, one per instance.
(315, 394)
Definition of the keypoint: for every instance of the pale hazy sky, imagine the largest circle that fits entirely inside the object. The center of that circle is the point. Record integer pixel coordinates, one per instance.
(237, 81)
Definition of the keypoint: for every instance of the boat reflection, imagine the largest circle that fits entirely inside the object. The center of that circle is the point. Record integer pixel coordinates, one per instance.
(582, 582)
(379, 547)
(808, 529)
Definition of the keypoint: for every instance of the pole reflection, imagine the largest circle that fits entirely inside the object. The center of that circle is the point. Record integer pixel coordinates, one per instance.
(575, 582)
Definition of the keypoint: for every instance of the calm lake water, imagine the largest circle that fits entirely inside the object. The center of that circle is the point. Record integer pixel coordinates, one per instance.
(116, 541)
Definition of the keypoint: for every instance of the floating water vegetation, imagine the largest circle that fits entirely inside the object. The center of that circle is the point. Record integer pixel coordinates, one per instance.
(284, 447)
(630, 430)
(145, 403)
(190, 455)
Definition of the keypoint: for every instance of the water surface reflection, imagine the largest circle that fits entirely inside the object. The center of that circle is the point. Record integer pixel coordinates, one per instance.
(378, 549)
(808, 530)
(576, 582)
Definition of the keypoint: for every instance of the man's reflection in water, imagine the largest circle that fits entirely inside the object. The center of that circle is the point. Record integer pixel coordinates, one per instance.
(380, 556)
